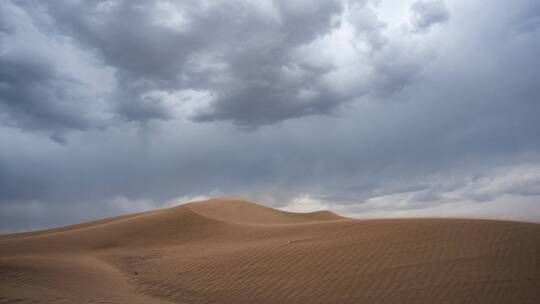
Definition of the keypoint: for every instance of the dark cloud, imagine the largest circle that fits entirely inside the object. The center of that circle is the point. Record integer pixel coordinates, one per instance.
(259, 69)
(141, 108)
(37, 91)
(35, 96)
(248, 43)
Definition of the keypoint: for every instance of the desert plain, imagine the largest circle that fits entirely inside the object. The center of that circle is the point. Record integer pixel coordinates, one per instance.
(235, 251)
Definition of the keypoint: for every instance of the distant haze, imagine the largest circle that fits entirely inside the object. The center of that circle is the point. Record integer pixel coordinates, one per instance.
(369, 108)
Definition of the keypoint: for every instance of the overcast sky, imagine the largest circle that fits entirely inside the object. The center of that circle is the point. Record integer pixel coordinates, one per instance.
(371, 108)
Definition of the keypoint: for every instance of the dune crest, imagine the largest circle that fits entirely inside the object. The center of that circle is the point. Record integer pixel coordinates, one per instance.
(244, 212)
(235, 251)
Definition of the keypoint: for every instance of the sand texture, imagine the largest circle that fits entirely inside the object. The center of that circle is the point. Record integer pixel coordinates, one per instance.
(233, 251)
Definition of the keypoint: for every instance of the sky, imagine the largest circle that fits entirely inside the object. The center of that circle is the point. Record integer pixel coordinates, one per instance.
(370, 108)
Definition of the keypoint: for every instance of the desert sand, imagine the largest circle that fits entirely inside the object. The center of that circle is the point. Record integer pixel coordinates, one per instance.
(233, 251)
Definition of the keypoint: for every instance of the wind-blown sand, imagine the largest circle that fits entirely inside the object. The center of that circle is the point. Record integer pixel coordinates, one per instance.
(232, 251)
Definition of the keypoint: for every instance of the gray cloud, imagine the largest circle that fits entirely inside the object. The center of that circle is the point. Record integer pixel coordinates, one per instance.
(349, 108)
(261, 69)
(251, 53)
(39, 90)
(429, 12)
(36, 96)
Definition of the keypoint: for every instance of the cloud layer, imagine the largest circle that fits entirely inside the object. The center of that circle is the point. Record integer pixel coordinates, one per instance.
(363, 106)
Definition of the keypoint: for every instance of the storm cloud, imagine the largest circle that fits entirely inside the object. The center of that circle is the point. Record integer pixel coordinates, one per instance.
(425, 108)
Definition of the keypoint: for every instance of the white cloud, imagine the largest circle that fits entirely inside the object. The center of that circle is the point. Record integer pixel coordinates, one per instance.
(187, 199)
(503, 208)
(503, 193)
(305, 203)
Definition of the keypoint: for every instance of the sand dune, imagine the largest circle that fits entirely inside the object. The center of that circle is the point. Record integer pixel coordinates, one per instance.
(233, 251)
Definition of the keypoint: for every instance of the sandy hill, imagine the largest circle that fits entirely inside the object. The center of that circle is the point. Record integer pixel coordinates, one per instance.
(233, 251)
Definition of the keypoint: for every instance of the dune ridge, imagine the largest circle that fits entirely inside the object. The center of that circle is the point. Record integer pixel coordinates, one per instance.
(235, 251)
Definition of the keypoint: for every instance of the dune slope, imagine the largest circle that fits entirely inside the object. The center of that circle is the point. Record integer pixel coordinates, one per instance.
(233, 251)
